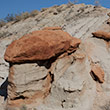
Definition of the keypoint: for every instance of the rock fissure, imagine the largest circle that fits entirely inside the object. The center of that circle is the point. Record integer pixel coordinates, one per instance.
(20, 97)
(94, 77)
(35, 81)
(52, 77)
(71, 91)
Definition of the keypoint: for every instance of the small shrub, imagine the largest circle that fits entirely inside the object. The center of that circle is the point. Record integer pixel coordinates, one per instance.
(10, 17)
(59, 9)
(2, 23)
(34, 13)
(69, 4)
(43, 9)
(22, 16)
(97, 3)
(17, 17)
(4, 34)
(25, 15)
(75, 1)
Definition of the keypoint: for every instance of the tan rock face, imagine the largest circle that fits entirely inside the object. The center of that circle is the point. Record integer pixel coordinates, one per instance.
(40, 45)
(52, 28)
(25, 90)
(102, 34)
(98, 73)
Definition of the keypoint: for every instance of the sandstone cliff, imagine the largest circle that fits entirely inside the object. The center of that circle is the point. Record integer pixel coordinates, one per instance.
(57, 68)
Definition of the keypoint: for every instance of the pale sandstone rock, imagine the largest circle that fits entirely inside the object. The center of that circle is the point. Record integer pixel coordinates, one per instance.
(72, 89)
(20, 84)
(98, 53)
(52, 28)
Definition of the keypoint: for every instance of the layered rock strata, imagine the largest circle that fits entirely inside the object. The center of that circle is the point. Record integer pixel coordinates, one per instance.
(31, 58)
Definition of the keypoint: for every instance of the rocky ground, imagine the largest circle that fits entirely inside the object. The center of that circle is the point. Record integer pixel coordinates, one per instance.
(68, 78)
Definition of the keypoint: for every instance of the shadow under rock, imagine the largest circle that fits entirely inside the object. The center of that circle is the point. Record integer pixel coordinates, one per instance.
(3, 89)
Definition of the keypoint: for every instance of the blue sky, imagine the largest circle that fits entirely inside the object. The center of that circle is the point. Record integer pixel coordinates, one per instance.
(18, 6)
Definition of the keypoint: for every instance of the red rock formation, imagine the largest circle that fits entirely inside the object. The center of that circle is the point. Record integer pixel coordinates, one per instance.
(102, 34)
(40, 45)
(98, 72)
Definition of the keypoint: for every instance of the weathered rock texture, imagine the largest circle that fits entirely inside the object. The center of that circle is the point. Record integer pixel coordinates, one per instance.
(102, 34)
(98, 73)
(42, 48)
(40, 45)
(52, 28)
(28, 89)
(64, 82)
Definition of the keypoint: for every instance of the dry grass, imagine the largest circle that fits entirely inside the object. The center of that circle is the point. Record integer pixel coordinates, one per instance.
(18, 17)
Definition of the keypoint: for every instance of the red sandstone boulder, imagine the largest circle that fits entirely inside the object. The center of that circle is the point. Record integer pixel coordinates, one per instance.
(102, 34)
(98, 72)
(40, 45)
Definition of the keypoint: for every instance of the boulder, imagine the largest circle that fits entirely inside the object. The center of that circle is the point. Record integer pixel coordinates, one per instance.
(102, 34)
(40, 45)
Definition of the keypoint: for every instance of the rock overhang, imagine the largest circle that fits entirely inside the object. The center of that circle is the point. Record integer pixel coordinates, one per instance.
(41, 45)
